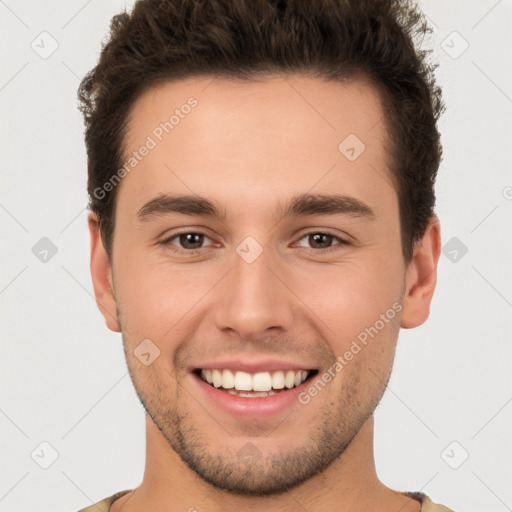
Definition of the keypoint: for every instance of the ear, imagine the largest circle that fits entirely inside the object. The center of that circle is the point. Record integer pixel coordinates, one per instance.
(101, 273)
(421, 276)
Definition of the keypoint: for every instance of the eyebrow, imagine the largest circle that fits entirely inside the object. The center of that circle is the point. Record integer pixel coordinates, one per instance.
(301, 205)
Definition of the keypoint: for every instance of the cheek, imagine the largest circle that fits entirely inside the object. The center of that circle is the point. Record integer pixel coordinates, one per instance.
(155, 296)
(343, 297)
(350, 298)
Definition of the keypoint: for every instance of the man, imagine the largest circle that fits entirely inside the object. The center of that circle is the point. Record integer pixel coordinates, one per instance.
(261, 180)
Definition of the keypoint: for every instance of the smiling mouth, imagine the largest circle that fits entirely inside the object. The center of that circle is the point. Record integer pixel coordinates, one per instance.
(254, 385)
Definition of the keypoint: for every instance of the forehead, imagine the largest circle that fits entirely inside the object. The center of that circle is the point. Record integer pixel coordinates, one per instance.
(287, 106)
(285, 134)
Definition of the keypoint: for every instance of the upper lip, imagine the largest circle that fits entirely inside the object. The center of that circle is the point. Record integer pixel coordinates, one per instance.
(245, 365)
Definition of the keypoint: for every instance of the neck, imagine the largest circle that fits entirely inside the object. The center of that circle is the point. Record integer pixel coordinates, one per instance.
(349, 484)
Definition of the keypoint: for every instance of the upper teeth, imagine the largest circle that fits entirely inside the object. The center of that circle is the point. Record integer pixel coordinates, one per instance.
(262, 381)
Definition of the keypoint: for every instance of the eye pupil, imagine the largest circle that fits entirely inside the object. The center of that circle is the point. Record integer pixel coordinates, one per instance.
(191, 238)
(316, 237)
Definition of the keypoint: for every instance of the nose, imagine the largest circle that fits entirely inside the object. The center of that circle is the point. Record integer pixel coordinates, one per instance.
(254, 300)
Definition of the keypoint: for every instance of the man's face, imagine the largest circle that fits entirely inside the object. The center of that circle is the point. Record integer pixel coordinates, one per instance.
(256, 286)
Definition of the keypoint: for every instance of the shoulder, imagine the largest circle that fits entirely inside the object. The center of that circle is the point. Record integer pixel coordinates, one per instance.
(104, 505)
(427, 505)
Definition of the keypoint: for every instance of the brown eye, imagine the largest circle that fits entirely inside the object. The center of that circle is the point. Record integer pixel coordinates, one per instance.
(191, 240)
(320, 240)
(323, 241)
(186, 242)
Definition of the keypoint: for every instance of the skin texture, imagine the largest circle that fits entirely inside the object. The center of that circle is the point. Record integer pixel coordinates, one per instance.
(250, 148)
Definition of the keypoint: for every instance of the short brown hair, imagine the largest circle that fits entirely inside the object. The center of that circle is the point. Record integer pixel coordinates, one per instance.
(167, 40)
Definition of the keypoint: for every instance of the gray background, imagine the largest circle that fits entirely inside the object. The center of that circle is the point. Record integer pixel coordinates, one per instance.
(63, 375)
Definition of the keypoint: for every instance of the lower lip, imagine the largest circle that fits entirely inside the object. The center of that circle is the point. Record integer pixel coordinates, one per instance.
(259, 407)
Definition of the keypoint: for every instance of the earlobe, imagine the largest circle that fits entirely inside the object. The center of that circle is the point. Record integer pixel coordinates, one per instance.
(101, 273)
(421, 277)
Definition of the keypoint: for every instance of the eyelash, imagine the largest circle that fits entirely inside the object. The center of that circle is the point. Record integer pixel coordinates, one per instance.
(167, 241)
